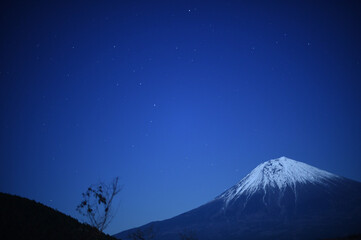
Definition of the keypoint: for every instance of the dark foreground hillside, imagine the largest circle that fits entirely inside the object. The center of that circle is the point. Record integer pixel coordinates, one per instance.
(21, 218)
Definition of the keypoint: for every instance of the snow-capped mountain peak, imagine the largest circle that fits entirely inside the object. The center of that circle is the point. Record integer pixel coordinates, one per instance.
(277, 173)
(279, 199)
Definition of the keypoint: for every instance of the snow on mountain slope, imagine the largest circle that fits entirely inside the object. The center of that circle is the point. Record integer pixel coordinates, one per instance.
(280, 199)
(277, 173)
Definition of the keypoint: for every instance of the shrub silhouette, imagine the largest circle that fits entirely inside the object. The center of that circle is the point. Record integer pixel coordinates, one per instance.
(96, 204)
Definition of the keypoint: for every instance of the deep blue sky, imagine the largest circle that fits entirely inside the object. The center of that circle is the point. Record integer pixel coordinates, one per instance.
(179, 99)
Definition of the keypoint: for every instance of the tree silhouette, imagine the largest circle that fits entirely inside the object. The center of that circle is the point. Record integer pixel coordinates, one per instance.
(96, 204)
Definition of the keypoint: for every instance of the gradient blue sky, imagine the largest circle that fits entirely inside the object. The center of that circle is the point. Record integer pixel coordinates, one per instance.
(180, 99)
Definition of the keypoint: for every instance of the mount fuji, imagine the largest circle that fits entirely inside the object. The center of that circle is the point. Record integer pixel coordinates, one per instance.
(279, 199)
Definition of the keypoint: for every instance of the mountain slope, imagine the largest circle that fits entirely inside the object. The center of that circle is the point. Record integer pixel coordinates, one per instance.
(21, 218)
(279, 199)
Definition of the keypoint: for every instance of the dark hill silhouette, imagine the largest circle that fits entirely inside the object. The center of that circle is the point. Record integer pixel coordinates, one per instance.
(21, 218)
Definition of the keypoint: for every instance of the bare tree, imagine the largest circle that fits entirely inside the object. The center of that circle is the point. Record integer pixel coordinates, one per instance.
(97, 202)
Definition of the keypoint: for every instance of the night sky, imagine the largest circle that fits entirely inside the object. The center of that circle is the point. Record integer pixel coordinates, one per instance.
(180, 99)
